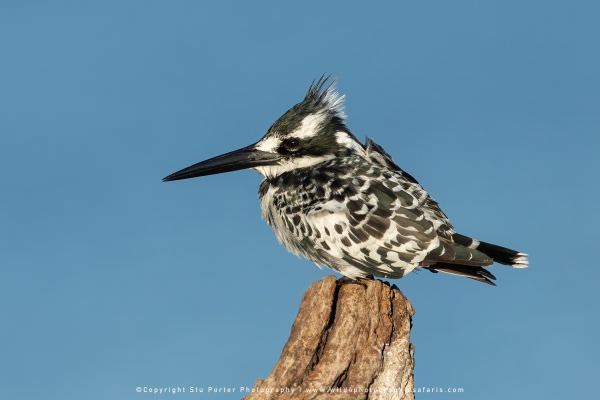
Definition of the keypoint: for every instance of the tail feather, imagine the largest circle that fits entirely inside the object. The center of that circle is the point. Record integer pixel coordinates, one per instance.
(477, 273)
(499, 254)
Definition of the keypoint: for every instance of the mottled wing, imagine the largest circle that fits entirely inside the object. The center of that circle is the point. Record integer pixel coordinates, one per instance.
(374, 226)
(377, 155)
(384, 227)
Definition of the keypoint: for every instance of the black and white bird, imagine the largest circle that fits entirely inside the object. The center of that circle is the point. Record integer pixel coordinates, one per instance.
(347, 205)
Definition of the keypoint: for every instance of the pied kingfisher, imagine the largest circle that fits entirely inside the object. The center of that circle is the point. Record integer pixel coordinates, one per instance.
(346, 205)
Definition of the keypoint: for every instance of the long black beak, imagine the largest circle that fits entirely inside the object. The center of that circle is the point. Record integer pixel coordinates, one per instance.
(247, 157)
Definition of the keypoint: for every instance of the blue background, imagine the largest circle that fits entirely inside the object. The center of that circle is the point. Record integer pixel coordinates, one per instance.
(113, 280)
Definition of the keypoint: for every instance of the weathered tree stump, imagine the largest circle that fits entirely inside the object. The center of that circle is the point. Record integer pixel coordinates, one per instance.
(350, 340)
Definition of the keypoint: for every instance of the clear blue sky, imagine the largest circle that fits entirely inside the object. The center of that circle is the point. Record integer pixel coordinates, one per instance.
(112, 279)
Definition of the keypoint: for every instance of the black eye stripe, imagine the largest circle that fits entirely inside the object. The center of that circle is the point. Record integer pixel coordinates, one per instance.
(289, 146)
(291, 143)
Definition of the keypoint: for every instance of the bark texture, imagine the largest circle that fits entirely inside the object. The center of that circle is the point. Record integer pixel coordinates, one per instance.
(350, 340)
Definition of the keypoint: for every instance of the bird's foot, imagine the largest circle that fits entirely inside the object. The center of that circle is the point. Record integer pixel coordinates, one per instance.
(363, 281)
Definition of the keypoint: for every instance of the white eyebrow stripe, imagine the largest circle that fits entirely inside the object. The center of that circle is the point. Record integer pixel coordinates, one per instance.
(269, 144)
(310, 125)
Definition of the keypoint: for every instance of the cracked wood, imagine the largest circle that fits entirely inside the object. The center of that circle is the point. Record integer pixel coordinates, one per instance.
(350, 340)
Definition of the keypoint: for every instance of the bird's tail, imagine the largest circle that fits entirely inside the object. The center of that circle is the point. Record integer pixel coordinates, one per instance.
(470, 256)
(499, 254)
(468, 271)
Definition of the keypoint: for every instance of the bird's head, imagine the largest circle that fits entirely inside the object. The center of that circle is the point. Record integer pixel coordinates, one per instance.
(309, 133)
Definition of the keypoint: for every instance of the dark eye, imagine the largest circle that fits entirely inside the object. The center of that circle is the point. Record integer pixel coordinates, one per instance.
(291, 144)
